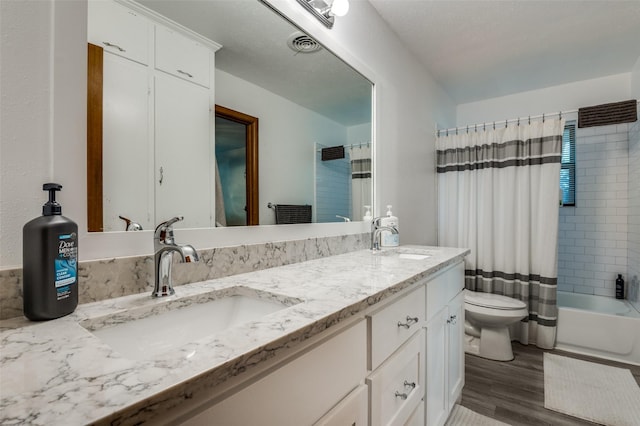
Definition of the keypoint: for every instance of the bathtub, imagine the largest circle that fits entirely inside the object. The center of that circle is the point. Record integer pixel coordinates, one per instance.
(598, 326)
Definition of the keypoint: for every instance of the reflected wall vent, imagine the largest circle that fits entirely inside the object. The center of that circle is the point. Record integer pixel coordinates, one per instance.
(302, 43)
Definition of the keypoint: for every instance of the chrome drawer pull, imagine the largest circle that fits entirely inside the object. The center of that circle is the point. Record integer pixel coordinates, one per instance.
(412, 385)
(185, 73)
(409, 323)
(401, 395)
(106, 43)
(452, 319)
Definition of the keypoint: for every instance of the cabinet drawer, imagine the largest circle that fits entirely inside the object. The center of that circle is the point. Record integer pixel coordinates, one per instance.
(396, 388)
(391, 326)
(351, 411)
(181, 56)
(444, 287)
(118, 30)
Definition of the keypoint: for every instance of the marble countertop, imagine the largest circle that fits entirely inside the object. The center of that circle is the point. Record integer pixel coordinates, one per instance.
(58, 370)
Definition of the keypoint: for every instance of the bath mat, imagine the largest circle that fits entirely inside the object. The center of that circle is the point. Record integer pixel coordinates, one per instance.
(462, 416)
(590, 391)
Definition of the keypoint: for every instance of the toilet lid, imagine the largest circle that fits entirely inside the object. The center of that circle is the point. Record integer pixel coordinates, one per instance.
(494, 301)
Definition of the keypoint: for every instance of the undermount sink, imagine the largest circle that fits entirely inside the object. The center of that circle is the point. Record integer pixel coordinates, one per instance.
(143, 333)
(407, 253)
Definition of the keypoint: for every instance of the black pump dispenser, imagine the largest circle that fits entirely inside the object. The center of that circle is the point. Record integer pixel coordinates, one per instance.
(51, 207)
(50, 262)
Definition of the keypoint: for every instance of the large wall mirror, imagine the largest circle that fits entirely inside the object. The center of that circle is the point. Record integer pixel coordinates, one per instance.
(222, 112)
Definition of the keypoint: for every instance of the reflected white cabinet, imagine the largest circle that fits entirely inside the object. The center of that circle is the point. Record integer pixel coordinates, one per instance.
(126, 144)
(182, 57)
(118, 30)
(183, 152)
(445, 349)
(158, 119)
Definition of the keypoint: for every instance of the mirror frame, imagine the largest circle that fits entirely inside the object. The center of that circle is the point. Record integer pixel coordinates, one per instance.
(299, 19)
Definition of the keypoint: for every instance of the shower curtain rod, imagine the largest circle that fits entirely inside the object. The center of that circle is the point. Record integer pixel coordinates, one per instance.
(527, 118)
(350, 145)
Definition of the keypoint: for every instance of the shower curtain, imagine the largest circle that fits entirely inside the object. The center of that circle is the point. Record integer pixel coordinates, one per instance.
(360, 180)
(498, 196)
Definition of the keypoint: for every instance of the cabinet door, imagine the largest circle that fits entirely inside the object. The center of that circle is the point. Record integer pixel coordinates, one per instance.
(118, 30)
(126, 146)
(351, 411)
(184, 152)
(182, 57)
(456, 349)
(436, 383)
(300, 392)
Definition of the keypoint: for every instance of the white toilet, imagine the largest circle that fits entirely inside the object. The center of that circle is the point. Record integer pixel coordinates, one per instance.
(487, 320)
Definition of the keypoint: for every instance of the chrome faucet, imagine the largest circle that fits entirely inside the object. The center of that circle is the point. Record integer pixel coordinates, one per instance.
(164, 247)
(376, 230)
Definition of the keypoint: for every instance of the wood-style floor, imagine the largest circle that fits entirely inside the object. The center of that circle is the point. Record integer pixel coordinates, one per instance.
(513, 392)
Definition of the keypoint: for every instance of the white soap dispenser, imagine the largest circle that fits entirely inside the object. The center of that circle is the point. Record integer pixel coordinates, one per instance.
(387, 238)
(367, 214)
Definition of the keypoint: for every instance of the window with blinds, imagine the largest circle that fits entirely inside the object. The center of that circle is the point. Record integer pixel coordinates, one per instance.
(568, 168)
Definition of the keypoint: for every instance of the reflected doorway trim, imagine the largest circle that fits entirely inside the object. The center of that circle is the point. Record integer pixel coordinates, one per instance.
(251, 124)
(94, 137)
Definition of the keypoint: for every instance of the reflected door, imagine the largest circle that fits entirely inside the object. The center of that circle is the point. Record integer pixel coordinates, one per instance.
(237, 161)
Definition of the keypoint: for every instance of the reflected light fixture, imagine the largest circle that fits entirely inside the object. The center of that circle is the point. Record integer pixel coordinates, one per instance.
(326, 10)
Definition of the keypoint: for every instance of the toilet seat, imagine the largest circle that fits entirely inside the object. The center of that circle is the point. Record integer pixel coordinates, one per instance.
(492, 301)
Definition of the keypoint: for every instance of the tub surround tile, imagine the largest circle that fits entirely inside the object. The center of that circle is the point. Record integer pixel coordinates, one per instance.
(59, 369)
(116, 277)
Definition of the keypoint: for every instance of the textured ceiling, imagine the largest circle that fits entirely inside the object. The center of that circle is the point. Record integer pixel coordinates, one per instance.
(481, 49)
(254, 48)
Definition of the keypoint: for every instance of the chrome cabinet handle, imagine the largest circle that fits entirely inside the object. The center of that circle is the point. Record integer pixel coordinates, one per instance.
(106, 43)
(185, 73)
(409, 323)
(401, 395)
(405, 395)
(452, 319)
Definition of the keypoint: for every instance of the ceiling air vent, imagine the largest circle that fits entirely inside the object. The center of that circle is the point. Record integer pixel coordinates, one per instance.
(302, 43)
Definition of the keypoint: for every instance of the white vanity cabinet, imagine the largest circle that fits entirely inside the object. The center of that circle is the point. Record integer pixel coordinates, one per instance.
(323, 385)
(118, 30)
(400, 363)
(445, 348)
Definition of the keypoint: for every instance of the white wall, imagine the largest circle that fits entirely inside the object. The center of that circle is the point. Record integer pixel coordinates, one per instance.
(287, 133)
(43, 114)
(564, 97)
